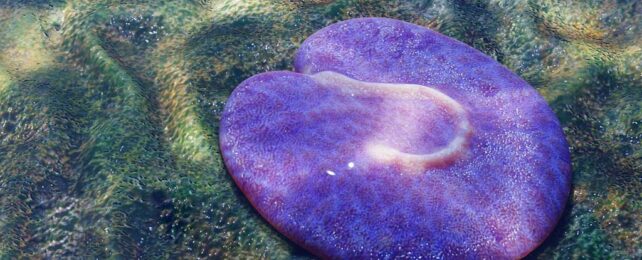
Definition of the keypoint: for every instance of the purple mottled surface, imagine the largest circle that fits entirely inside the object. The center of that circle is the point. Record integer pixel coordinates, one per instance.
(295, 147)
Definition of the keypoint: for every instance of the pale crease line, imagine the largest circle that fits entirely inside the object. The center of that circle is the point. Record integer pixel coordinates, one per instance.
(387, 154)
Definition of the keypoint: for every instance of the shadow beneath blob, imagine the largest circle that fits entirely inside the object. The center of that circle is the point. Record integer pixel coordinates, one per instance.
(296, 251)
(599, 164)
(555, 238)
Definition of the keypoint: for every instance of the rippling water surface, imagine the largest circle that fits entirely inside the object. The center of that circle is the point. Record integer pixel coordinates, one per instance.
(109, 115)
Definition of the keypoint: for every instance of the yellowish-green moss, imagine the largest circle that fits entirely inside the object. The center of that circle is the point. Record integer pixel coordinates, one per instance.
(113, 108)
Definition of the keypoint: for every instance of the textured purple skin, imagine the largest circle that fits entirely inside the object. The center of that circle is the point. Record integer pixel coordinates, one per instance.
(281, 133)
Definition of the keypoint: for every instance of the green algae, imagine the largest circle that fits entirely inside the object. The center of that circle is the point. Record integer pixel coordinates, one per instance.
(109, 116)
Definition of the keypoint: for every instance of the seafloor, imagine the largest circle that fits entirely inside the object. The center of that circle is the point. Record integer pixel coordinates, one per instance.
(109, 115)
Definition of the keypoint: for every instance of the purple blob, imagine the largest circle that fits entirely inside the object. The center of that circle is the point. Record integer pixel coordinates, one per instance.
(391, 140)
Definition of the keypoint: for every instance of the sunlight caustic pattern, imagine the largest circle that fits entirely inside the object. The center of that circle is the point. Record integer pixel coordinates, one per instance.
(109, 113)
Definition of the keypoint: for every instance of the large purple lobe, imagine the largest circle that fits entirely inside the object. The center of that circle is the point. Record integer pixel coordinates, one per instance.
(391, 140)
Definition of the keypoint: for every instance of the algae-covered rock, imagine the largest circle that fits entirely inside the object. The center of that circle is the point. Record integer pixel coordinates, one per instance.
(109, 116)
